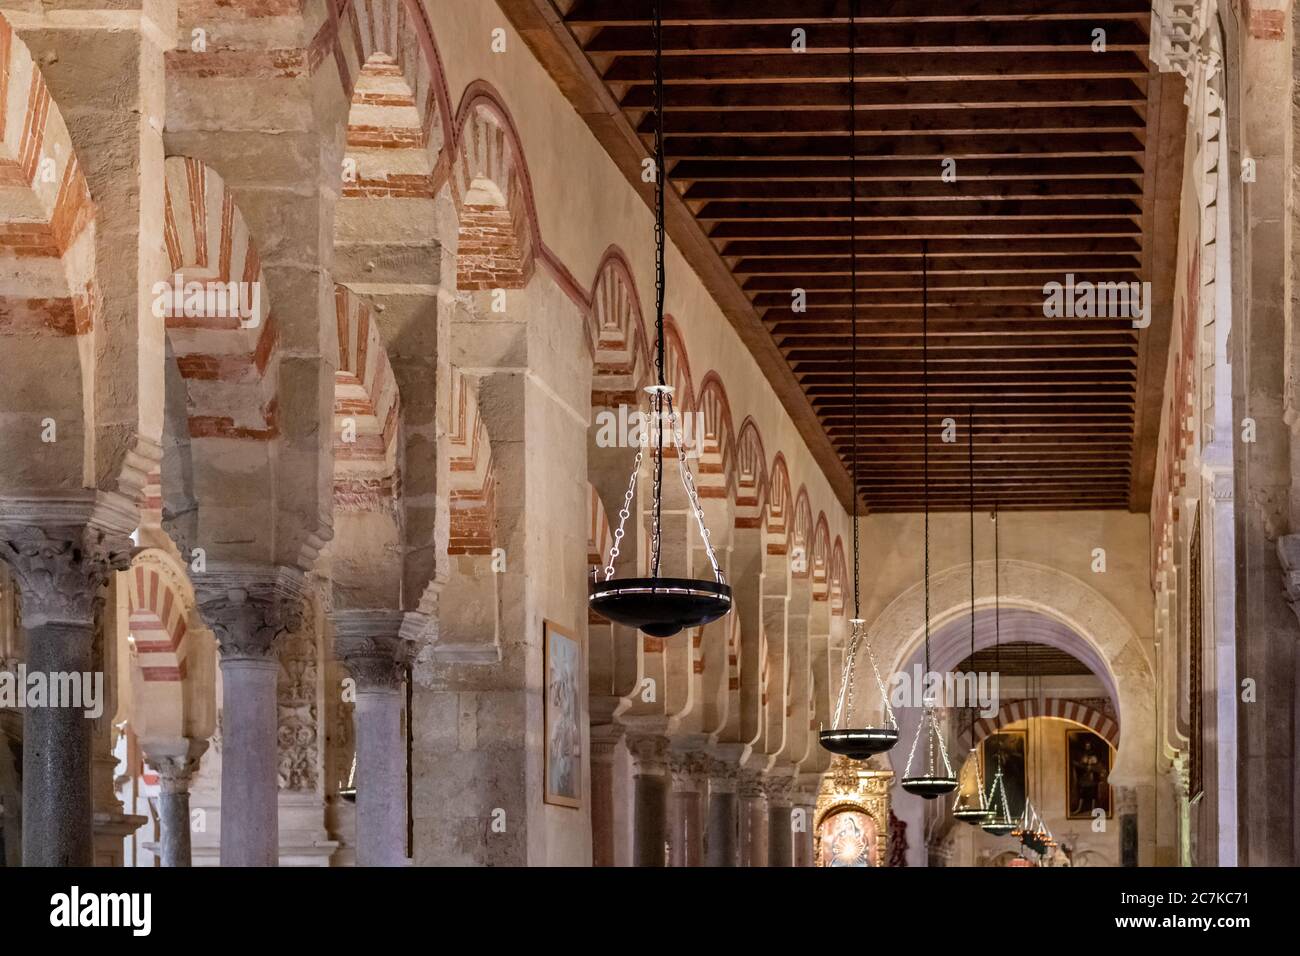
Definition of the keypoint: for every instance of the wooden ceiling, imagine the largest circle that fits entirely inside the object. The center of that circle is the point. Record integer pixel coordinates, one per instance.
(1055, 163)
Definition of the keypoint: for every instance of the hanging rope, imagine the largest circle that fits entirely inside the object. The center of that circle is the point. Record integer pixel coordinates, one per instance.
(659, 279)
(970, 458)
(925, 430)
(853, 268)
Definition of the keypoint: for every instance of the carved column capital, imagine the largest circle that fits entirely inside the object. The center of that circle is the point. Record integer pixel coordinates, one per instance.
(176, 769)
(778, 786)
(249, 607)
(750, 785)
(724, 776)
(689, 769)
(61, 552)
(650, 753)
(369, 643)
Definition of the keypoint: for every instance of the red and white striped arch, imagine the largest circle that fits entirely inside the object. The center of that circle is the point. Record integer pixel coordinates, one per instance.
(230, 367)
(780, 507)
(498, 239)
(622, 361)
(46, 213)
(801, 533)
(751, 476)
(820, 561)
(472, 486)
(599, 535)
(159, 604)
(1058, 707)
(367, 407)
(840, 597)
(677, 369)
(717, 465)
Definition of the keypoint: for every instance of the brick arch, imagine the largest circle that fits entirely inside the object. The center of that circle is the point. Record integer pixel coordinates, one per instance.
(840, 598)
(230, 366)
(717, 444)
(751, 475)
(365, 392)
(677, 368)
(51, 301)
(472, 483)
(801, 533)
(780, 507)
(622, 361)
(599, 535)
(493, 192)
(1061, 708)
(820, 559)
(160, 604)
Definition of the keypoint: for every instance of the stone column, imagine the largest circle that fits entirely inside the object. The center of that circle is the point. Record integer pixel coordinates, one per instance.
(604, 744)
(650, 808)
(61, 557)
(753, 819)
(1127, 815)
(175, 766)
(686, 836)
(803, 813)
(721, 843)
(248, 609)
(780, 843)
(368, 642)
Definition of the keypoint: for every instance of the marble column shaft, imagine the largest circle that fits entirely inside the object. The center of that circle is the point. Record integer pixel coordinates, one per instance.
(686, 838)
(368, 642)
(650, 810)
(722, 843)
(248, 610)
(175, 771)
(753, 820)
(61, 557)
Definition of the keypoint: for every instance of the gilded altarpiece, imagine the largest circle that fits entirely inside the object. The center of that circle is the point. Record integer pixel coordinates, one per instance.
(851, 820)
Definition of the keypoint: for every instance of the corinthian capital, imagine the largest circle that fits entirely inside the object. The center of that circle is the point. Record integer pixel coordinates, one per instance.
(61, 551)
(370, 644)
(249, 607)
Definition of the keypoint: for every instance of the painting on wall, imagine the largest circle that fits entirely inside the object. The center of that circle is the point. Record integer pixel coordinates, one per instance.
(848, 838)
(1087, 775)
(563, 715)
(1009, 746)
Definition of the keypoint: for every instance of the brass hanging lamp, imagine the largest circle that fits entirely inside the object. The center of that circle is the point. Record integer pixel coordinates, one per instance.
(845, 738)
(1001, 823)
(970, 807)
(660, 606)
(937, 778)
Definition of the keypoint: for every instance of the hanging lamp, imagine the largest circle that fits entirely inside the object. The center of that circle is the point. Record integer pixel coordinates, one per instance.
(1001, 823)
(660, 606)
(938, 778)
(856, 743)
(971, 808)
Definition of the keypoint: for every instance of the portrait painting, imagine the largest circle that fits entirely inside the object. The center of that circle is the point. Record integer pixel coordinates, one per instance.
(848, 838)
(563, 712)
(1087, 775)
(1008, 747)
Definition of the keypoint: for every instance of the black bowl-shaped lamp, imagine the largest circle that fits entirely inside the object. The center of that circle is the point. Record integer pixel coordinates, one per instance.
(859, 743)
(660, 607)
(998, 826)
(975, 816)
(929, 786)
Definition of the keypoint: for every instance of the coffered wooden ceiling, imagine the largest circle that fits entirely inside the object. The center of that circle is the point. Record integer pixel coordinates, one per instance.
(1067, 160)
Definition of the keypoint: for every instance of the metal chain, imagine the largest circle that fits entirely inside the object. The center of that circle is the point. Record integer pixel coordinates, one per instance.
(848, 682)
(623, 516)
(688, 482)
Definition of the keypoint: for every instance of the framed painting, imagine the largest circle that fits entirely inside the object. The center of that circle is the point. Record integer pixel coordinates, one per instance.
(1087, 775)
(1009, 747)
(563, 715)
(848, 837)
